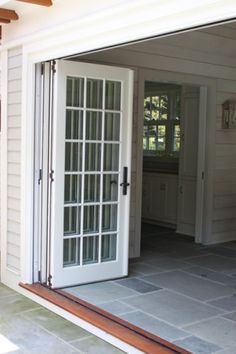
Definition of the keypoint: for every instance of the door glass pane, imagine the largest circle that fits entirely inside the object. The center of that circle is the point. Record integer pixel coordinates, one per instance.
(164, 107)
(72, 191)
(111, 157)
(90, 249)
(94, 93)
(71, 252)
(73, 157)
(109, 217)
(75, 92)
(113, 95)
(108, 248)
(112, 127)
(176, 140)
(91, 219)
(161, 140)
(91, 188)
(92, 157)
(93, 125)
(71, 220)
(110, 188)
(74, 124)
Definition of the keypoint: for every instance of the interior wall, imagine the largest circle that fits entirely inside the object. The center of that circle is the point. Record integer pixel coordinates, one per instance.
(224, 207)
(209, 54)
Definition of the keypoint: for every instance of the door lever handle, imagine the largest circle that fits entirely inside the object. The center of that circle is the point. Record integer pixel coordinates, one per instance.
(125, 183)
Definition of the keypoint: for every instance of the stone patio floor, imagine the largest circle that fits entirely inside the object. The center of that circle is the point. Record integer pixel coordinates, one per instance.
(178, 290)
(28, 328)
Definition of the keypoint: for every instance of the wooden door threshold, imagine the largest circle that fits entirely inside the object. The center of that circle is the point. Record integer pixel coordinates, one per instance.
(115, 326)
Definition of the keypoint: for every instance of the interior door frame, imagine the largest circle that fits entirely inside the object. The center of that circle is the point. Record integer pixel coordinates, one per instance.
(205, 156)
(200, 162)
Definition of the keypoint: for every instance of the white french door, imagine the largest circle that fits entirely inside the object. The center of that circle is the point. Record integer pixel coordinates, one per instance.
(92, 127)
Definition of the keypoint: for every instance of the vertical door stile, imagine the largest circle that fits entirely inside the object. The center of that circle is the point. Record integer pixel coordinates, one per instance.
(50, 171)
(82, 223)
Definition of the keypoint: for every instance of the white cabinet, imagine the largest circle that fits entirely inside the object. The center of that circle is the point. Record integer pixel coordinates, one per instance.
(160, 197)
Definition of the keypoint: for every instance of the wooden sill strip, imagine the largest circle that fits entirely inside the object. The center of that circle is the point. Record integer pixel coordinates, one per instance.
(115, 326)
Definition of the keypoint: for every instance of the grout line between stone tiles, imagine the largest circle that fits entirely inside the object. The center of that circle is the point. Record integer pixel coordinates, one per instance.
(219, 298)
(8, 295)
(51, 333)
(206, 279)
(205, 320)
(209, 269)
(160, 319)
(82, 338)
(203, 302)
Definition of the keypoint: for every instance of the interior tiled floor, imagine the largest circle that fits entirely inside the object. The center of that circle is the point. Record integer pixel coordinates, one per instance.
(181, 291)
(28, 328)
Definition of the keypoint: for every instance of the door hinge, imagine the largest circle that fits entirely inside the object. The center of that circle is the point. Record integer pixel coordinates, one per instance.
(39, 276)
(49, 280)
(40, 176)
(53, 66)
(203, 175)
(125, 183)
(51, 175)
(42, 69)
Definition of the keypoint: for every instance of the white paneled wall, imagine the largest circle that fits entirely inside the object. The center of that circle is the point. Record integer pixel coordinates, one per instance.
(14, 159)
(224, 212)
(207, 54)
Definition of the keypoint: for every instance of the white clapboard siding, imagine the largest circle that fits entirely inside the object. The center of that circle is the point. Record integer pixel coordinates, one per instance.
(14, 159)
(224, 211)
(210, 53)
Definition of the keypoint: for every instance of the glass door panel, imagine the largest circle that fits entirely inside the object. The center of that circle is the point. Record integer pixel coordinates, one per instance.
(112, 126)
(92, 172)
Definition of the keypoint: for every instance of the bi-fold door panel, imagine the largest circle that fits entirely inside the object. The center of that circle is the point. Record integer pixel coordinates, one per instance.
(92, 145)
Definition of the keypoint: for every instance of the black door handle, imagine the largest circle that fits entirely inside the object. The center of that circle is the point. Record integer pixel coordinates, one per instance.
(125, 184)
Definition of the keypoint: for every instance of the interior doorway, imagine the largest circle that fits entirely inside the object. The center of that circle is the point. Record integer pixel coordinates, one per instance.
(173, 159)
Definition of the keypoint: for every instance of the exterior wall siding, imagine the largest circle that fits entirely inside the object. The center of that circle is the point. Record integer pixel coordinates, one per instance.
(14, 159)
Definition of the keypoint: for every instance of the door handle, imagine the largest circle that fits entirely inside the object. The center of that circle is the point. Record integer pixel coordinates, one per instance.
(125, 183)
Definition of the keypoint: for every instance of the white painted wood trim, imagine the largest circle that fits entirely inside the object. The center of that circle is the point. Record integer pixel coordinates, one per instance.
(201, 164)
(137, 22)
(27, 168)
(4, 93)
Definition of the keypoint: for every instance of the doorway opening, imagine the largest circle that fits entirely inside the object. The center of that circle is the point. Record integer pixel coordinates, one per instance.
(171, 167)
(169, 128)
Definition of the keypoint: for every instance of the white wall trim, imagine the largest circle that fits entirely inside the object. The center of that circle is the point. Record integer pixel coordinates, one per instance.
(27, 169)
(4, 157)
(201, 155)
(103, 28)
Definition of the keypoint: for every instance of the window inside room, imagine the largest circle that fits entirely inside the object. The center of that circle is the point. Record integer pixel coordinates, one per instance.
(161, 130)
